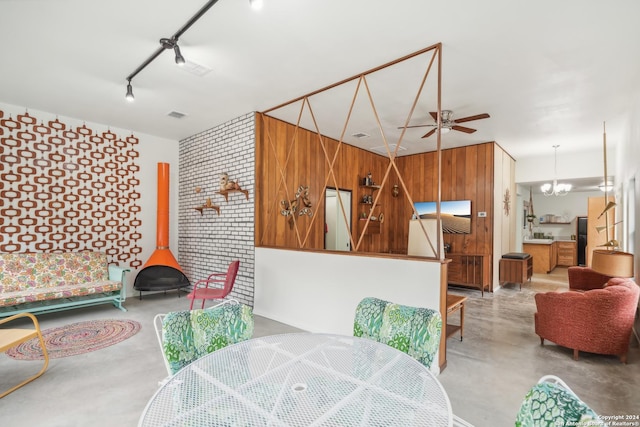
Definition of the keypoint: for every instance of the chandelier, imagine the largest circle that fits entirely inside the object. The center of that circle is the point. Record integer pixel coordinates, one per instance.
(555, 189)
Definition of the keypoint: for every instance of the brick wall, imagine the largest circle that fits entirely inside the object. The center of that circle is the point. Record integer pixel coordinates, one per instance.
(208, 242)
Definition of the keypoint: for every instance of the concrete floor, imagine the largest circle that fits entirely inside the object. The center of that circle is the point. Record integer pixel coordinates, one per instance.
(486, 377)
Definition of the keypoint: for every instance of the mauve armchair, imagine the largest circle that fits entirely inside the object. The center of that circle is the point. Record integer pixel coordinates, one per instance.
(596, 321)
(584, 279)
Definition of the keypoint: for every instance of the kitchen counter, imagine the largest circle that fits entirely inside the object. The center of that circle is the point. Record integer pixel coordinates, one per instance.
(544, 253)
(538, 241)
(548, 253)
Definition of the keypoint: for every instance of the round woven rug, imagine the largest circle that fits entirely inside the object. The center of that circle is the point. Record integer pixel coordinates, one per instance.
(77, 338)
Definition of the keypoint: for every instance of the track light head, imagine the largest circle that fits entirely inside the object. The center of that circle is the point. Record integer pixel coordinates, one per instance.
(179, 58)
(167, 43)
(129, 96)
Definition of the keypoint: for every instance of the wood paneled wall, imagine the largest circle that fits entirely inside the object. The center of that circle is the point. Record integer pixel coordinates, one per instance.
(467, 174)
(287, 157)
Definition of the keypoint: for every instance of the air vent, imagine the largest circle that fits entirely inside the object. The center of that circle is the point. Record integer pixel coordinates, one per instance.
(360, 135)
(383, 150)
(195, 69)
(176, 114)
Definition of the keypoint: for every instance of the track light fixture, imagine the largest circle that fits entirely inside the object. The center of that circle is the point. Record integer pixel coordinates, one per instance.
(129, 95)
(173, 44)
(168, 43)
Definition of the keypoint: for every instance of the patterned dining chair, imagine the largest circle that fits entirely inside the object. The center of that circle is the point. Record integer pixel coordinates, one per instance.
(185, 336)
(412, 330)
(551, 403)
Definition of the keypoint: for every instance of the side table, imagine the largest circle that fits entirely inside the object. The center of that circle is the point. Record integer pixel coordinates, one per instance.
(516, 267)
(455, 303)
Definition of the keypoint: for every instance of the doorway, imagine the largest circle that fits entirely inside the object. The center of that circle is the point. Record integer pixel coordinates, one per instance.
(337, 232)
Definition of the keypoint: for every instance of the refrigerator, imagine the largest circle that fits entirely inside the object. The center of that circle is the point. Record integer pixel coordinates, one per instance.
(581, 236)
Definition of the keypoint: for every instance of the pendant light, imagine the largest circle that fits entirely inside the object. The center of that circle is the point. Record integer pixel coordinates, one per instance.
(555, 189)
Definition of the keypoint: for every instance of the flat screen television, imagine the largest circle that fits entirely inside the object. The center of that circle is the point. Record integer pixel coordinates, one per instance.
(455, 215)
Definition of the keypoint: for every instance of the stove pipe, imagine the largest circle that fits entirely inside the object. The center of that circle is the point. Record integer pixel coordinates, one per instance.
(161, 271)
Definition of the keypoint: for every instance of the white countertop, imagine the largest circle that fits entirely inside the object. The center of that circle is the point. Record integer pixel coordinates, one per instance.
(545, 241)
(538, 241)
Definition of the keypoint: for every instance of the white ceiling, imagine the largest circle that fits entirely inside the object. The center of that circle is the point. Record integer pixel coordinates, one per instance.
(548, 72)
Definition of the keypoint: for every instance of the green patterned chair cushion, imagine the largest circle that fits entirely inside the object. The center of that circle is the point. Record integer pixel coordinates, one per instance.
(551, 405)
(412, 330)
(189, 335)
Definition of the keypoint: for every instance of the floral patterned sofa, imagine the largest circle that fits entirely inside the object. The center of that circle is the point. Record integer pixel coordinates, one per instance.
(47, 282)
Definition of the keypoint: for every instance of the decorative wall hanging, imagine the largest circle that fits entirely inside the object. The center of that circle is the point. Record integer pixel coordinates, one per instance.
(227, 186)
(300, 204)
(66, 188)
(395, 190)
(507, 202)
(206, 205)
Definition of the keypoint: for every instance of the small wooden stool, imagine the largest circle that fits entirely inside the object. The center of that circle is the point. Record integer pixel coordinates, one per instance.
(455, 303)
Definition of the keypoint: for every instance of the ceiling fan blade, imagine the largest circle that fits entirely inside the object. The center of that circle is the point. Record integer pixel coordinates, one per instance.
(416, 126)
(463, 129)
(431, 132)
(434, 114)
(470, 118)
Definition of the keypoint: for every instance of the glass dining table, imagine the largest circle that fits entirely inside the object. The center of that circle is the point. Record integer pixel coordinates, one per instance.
(301, 379)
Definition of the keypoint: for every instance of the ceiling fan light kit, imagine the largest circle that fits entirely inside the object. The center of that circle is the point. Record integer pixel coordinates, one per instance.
(448, 123)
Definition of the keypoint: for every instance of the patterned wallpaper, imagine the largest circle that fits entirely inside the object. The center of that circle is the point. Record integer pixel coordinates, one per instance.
(65, 188)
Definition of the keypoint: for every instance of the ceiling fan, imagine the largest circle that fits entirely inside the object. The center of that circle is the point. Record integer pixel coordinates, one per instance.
(449, 123)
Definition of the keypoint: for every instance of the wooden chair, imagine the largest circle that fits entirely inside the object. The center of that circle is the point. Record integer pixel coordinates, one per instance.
(13, 337)
(201, 289)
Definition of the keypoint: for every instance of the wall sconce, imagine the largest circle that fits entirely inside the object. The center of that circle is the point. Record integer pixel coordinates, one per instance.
(395, 190)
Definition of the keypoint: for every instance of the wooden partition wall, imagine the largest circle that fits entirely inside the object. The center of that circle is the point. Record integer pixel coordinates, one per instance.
(287, 157)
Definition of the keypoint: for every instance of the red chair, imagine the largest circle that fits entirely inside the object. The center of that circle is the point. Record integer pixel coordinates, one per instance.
(201, 289)
(585, 279)
(596, 321)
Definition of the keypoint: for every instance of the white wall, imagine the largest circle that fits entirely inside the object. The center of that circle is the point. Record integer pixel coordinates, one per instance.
(570, 206)
(628, 181)
(152, 150)
(319, 292)
(583, 164)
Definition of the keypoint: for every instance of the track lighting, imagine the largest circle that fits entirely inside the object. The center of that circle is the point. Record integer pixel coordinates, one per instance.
(179, 58)
(256, 4)
(172, 43)
(169, 43)
(129, 96)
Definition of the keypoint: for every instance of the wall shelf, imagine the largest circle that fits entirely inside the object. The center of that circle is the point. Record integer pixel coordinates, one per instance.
(225, 193)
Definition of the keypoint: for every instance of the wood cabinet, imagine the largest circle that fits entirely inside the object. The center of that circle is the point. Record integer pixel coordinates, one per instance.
(467, 270)
(515, 270)
(567, 253)
(544, 256)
